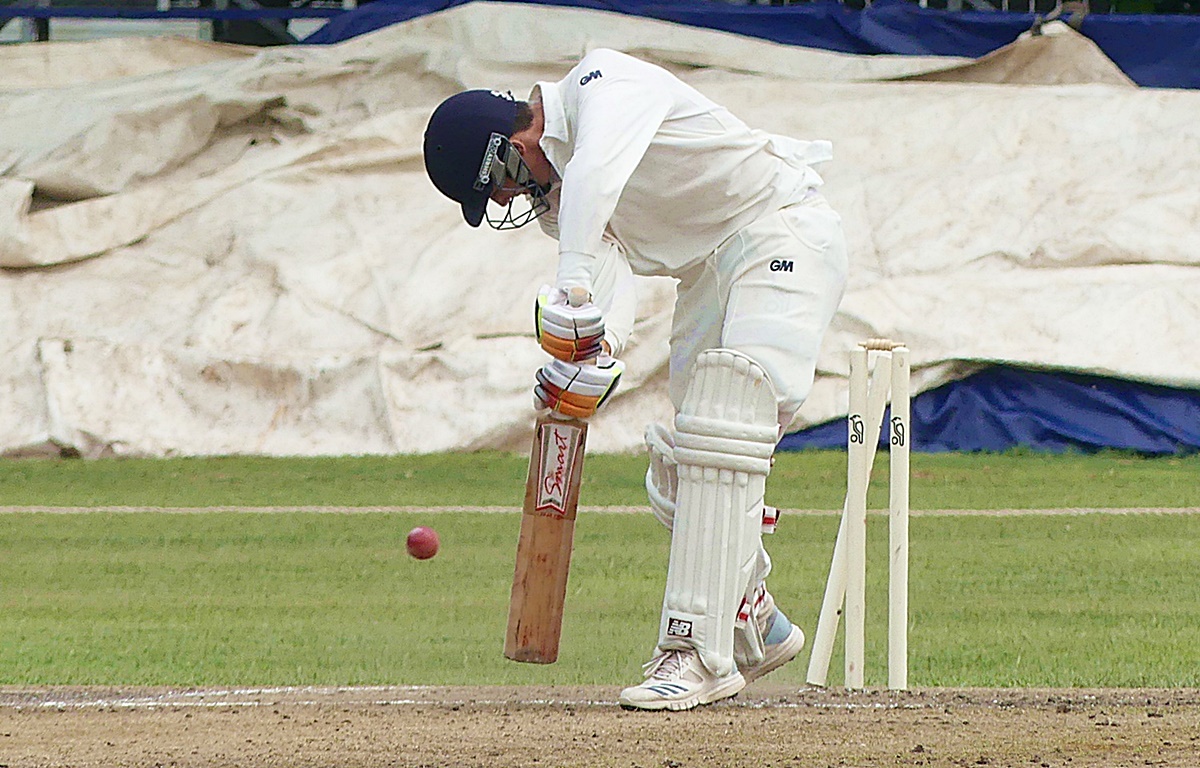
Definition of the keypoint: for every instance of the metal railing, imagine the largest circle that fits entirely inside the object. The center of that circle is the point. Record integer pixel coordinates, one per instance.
(269, 17)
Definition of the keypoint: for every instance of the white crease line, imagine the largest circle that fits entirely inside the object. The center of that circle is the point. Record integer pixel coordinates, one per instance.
(300, 689)
(181, 698)
(338, 697)
(134, 704)
(172, 704)
(440, 704)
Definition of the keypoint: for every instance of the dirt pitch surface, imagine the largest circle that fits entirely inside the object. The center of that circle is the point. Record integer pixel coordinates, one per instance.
(460, 726)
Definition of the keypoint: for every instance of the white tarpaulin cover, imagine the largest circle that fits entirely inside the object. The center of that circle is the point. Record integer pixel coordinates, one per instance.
(211, 249)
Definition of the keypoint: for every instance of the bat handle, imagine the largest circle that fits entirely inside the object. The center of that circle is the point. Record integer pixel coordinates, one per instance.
(577, 296)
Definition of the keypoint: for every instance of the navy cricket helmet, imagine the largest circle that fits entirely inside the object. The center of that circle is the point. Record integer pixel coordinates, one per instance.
(468, 156)
(457, 142)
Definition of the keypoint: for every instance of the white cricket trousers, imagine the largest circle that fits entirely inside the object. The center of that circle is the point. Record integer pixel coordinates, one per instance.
(769, 292)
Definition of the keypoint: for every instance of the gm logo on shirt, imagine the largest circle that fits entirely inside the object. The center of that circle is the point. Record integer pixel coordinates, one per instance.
(781, 265)
(589, 77)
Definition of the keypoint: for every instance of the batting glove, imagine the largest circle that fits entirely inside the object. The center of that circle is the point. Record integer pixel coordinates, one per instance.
(575, 389)
(566, 332)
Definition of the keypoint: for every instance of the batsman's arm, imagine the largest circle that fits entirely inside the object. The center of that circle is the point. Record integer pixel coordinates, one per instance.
(614, 291)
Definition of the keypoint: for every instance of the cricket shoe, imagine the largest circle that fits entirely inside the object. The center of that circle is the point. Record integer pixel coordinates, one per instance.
(678, 680)
(781, 643)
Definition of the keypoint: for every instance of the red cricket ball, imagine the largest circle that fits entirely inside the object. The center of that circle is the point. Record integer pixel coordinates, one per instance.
(422, 542)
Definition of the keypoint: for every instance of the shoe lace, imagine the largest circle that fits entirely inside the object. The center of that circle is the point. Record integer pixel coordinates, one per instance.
(666, 665)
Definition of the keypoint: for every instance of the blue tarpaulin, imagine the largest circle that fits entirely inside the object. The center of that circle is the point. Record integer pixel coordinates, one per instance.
(1153, 50)
(1004, 407)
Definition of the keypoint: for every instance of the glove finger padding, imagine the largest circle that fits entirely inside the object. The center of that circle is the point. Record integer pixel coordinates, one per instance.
(574, 389)
(567, 333)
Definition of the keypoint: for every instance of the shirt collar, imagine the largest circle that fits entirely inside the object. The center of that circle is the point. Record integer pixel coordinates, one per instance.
(555, 128)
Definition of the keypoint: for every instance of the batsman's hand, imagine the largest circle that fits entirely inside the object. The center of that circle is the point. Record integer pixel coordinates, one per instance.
(568, 331)
(577, 389)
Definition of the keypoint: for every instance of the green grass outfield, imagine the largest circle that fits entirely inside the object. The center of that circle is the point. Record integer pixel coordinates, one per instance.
(295, 597)
(799, 480)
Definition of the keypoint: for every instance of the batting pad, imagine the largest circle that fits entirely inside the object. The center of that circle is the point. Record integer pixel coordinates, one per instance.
(725, 434)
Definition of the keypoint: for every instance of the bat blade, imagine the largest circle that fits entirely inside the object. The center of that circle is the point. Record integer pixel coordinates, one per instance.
(539, 588)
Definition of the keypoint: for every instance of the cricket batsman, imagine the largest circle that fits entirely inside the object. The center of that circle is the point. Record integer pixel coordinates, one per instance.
(633, 171)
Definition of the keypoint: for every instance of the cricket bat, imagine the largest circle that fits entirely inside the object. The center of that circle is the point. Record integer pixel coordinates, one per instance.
(539, 588)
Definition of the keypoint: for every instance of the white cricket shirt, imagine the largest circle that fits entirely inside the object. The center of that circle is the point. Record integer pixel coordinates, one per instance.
(648, 161)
